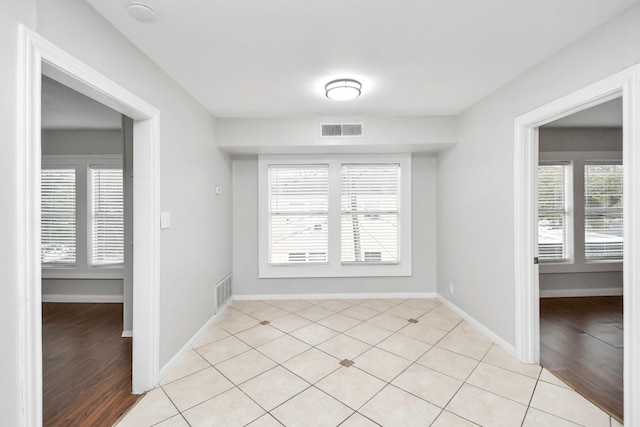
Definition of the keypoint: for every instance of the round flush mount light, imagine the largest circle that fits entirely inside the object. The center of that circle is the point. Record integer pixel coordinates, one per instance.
(141, 12)
(343, 89)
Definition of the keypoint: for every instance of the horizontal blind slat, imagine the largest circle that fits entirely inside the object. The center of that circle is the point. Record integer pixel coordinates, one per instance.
(552, 211)
(369, 205)
(58, 216)
(108, 216)
(298, 214)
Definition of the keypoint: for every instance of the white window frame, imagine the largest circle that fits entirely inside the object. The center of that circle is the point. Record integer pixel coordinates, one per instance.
(335, 267)
(83, 269)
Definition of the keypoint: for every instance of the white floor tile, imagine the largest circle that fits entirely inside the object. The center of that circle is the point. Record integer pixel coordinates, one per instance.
(395, 407)
(197, 388)
(230, 409)
(486, 408)
(274, 387)
(351, 386)
(312, 408)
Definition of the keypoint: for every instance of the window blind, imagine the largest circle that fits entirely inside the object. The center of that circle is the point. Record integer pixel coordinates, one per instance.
(603, 211)
(552, 212)
(107, 241)
(369, 213)
(58, 216)
(298, 214)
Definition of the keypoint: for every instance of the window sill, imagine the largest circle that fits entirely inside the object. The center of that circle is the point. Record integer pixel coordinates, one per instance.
(72, 273)
(585, 267)
(324, 271)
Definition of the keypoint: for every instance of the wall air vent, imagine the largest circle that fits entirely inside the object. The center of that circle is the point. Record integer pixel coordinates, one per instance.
(342, 130)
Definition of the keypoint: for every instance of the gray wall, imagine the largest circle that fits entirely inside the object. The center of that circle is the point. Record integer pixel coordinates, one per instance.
(476, 177)
(87, 141)
(577, 145)
(70, 142)
(245, 241)
(195, 253)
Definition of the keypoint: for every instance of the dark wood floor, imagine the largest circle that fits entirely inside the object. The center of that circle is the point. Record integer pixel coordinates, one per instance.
(86, 364)
(581, 341)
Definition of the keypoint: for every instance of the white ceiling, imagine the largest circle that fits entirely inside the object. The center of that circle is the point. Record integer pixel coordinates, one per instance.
(64, 108)
(259, 58)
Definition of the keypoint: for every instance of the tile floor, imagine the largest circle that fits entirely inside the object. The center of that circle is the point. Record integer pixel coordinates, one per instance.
(438, 371)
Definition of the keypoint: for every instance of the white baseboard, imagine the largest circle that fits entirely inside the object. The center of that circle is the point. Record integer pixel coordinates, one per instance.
(564, 293)
(380, 295)
(479, 326)
(185, 348)
(83, 298)
(127, 334)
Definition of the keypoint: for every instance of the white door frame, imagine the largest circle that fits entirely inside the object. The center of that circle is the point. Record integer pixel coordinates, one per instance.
(40, 56)
(627, 85)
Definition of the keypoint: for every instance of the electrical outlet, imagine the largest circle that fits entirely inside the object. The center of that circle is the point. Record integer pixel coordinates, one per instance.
(451, 287)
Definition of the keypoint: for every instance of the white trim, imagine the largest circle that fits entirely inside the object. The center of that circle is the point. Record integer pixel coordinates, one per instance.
(38, 55)
(527, 319)
(83, 298)
(189, 345)
(479, 326)
(127, 334)
(568, 293)
(378, 295)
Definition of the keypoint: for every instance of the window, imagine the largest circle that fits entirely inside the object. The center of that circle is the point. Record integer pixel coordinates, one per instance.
(298, 213)
(107, 216)
(58, 212)
(335, 216)
(370, 212)
(603, 211)
(82, 224)
(553, 211)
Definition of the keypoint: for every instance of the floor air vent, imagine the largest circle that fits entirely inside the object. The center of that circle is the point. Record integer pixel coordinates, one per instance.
(342, 130)
(223, 292)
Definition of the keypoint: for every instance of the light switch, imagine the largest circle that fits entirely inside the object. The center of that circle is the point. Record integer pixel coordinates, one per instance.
(218, 191)
(165, 220)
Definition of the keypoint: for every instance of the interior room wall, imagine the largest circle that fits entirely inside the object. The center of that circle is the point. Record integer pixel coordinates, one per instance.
(80, 142)
(580, 279)
(245, 241)
(476, 176)
(195, 252)
(14, 12)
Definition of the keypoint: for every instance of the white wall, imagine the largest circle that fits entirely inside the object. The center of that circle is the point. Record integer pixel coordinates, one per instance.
(13, 13)
(475, 177)
(195, 251)
(245, 241)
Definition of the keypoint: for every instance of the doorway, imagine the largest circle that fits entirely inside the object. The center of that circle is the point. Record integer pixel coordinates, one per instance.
(86, 246)
(626, 85)
(40, 57)
(580, 250)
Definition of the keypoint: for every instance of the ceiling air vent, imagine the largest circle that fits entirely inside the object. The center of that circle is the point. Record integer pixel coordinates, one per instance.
(342, 130)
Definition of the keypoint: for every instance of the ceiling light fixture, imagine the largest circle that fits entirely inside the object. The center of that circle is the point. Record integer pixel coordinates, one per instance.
(141, 12)
(343, 89)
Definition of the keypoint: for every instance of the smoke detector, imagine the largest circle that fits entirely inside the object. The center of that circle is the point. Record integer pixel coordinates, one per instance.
(141, 12)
